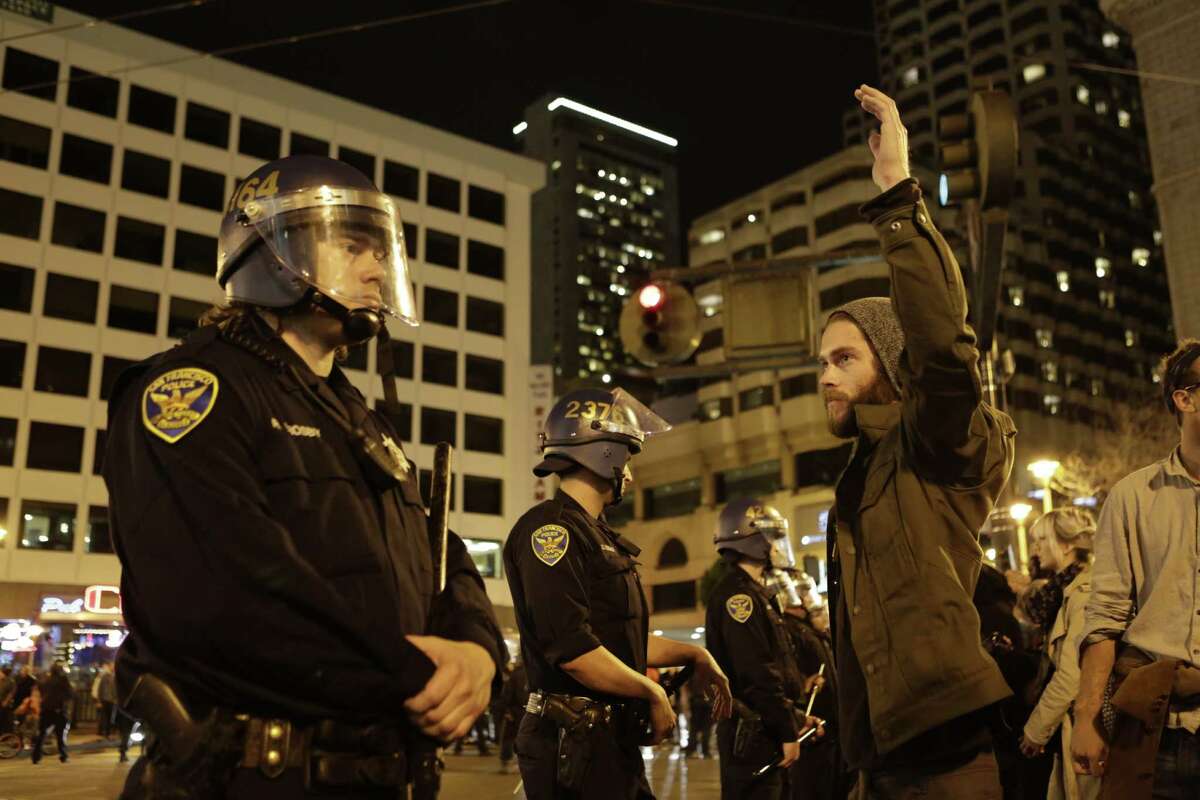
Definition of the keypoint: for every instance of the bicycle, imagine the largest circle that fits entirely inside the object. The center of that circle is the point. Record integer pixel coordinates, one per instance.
(13, 744)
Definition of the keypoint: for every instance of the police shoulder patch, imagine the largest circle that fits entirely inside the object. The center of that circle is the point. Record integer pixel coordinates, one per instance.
(550, 543)
(177, 401)
(740, 607)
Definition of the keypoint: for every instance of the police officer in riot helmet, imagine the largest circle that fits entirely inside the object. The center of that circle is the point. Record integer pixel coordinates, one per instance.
(746, 634)
(582, 613)
(286, 636)
(819, 773)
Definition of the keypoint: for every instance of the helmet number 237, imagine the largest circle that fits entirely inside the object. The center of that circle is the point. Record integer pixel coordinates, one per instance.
(588, 409)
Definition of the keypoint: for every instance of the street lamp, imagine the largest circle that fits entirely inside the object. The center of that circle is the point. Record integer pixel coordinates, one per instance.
(1044, 471)
(1019, 512)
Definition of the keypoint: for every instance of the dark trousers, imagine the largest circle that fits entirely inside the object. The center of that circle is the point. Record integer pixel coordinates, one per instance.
(617, 771)
(246, 784)
(1177, 767)
(57, 720)
(509, 725)
(699, 730)
(104, 719)
(818, 773)
(978, 779)
(737, 775)
(482, 731)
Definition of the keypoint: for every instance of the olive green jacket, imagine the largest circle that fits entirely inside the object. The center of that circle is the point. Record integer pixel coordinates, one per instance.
(909, 555)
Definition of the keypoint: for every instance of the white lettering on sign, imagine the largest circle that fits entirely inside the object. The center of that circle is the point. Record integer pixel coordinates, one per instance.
(56, 605)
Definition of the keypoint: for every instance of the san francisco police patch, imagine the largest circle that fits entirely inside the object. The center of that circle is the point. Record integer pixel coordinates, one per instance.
(550, 544)
(740, 607)
(177, 401)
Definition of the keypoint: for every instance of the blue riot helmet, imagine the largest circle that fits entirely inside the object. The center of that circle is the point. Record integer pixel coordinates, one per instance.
(748, 527)
(312, 229)
(599, 430)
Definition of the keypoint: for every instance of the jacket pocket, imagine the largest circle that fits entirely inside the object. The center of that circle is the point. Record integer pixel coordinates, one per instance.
(313, 494)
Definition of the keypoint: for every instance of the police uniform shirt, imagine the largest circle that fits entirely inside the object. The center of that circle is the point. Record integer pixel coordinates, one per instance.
(575, 587)
(260, 568)
(747, 639)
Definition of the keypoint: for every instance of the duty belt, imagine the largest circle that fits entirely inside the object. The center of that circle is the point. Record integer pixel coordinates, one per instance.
(570, 710)
(333, 755)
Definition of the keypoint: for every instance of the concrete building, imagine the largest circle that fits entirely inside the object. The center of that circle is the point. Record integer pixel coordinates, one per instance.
(762, 433)
(1085, 299)
(1164, 36)
(607, 216)
(111, 192)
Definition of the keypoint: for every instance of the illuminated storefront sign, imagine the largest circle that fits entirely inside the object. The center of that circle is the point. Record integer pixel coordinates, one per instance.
(18, 637)
(97, 601)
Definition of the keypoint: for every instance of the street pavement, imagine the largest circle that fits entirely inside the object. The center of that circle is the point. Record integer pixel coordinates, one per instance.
(96, 775)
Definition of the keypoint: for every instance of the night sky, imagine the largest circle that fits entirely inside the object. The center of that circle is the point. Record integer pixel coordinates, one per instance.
(753, 89)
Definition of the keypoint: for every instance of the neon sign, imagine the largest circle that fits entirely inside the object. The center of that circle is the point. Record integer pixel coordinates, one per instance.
(100, 599)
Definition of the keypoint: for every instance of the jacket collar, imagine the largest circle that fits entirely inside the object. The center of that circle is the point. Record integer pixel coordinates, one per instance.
(874, 421)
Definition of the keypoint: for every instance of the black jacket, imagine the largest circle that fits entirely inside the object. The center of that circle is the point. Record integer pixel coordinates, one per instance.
(747, 638)
(575, 587)
(260, 568)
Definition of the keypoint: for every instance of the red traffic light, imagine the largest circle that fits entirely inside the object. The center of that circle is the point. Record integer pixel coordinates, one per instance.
(651, 297)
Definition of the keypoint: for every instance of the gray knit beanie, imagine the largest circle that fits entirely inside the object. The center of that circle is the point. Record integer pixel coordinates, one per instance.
(877, 320)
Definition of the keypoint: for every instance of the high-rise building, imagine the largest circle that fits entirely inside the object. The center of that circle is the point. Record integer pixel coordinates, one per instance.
(111, 195)
(1165, 36)
(608, 214)
(1085, 303)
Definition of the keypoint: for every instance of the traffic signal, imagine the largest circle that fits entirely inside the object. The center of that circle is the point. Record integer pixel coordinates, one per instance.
(660, 324)
(979, 152)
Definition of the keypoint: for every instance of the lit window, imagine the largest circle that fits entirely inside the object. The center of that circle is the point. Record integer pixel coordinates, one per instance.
(1110, 39)
(649, 190)
(600, 173)
(1141, 256)
(1101, 106)
(751, 218)
(1016, 295)
(1108, 299)
(554, 166)
(579, 188)
(586, 213)
(1050, 371)
(583, 280)
(1131, 338)
(1135, 200)
(911, 77)
(1064, 280)
(1103, 265)
(1157, 238)
(1123, 118)
(584, 350)
(1033, 72)
(1083, 95)
(1052, 404)
(1045, 337)
(1097, 387)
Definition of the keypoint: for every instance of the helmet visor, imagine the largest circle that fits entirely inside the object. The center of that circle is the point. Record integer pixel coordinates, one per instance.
(346, 243)
(775, 529)
(630, 417)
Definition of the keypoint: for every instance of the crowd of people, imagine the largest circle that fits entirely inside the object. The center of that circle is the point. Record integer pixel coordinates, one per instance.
(51, 701)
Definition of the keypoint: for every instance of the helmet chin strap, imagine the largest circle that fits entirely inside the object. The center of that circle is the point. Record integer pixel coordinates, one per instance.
(618, 486)
(360, 324)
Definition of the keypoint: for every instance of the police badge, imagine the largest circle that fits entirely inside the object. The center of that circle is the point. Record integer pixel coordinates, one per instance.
(550, 544)
(740, 607)
(177, 401)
